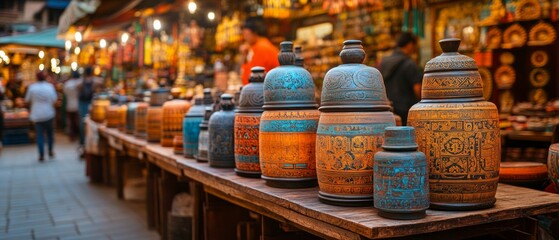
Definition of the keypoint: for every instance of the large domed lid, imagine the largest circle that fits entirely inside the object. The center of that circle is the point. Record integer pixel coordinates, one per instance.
(289, 86)
(353, 86)
(252, 95)
(451, 75)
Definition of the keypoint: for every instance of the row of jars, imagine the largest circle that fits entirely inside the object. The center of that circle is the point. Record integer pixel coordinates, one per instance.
(349, 146)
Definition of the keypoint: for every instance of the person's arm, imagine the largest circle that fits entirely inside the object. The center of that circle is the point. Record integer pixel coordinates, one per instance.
(415, 77)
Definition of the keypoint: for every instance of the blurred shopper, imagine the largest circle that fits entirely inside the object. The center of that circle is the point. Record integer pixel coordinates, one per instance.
(86, 90)
(71, 93)
(402, 76)
(15, 90)
(257, 49)
(42, 97)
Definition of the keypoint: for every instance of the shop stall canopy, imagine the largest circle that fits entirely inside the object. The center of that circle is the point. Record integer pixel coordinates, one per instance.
(45, 38)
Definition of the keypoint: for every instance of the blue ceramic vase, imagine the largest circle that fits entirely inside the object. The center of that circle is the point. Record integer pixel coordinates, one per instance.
(220, 127)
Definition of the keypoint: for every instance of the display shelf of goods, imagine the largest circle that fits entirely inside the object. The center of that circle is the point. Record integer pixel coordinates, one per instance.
(354, 113)
(458, 131)
(514, 36)
(171, 121)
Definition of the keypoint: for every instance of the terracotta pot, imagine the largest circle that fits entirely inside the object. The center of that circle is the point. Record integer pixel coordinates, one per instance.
(98, 109)
(159, 97)
(458, 131)
(153, 123)
(523, 174)
(140, 130)
(178, 145)
(113, 116)
(400, 176)
(247, 125)
(287, 139)
(220, 128)
(355, 112)
(171, 122)
(553, 164)
(191, 124)
(204, 137)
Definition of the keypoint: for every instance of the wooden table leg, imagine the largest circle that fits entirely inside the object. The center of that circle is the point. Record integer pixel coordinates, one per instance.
(151, 194)
(197, 191)
(168, 189)
(120, 174)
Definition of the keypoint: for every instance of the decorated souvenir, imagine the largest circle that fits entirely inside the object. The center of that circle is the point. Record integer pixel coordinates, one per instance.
(140, 130)
(514, 36)
(487, 82)
(153, 123)
(288, 125)
(401, 184)
(538, 96)
(354, 113)
(493, 38)
(506, 101)
(171, 121)
(99, 109)
(191, 125)
(458, 131)
(247, 125)
(539, 77)
(528, 10)
(542, 34)
(204, 137)
(505, 76)
(131, 117)
(539, 58)
(525, 174)
(221, 151)
(506, 58)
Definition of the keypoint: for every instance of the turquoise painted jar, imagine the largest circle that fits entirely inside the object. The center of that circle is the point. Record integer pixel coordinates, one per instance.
(401, 182)
(191, 124)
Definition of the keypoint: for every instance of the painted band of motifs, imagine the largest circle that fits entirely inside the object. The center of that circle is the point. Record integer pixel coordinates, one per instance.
(443, 64)
(282, 170)
(291, 114)
(287, 154)
(358, 118)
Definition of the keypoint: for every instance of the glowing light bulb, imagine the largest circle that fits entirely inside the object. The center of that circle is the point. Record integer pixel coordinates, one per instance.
(157, 24)
(211, 16)
(77, 50)
(124, 38)
(67, 45)
(74, 66)
(192, 7)
(78, 36)
(41, 54)
(102, 43)
(41, 67)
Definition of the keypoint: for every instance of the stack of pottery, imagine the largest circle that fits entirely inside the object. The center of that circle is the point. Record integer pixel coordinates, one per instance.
(99, 108)
(220, 128)
(191, 124)
(140, 130)
(354, 113)
(400, 176)
(204, 138)
(247, 125)
(131, 117)
(288, 125)
(171, 123)
(155, 112)
(458, 131)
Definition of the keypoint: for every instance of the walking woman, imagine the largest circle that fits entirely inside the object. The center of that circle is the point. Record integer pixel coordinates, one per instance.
(42, 97)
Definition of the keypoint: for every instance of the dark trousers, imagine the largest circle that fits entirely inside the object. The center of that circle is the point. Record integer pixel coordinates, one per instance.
(74, 124)
(42, 128)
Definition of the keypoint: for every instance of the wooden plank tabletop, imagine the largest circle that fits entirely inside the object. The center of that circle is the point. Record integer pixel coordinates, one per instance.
(302, 208)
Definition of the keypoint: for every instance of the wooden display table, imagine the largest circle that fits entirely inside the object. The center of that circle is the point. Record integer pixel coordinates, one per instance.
(300, 208)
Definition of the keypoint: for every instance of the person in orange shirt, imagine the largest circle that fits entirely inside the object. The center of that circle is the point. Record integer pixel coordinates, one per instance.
(257, 49)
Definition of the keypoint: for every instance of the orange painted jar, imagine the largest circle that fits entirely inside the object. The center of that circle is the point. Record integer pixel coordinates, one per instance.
(153, 124)
(122, 118)
(247, 125)
(355, 112)
(171, 122)
(524, 174)
(116, 116)
(99, 109)
(287, 138)
(178, 144)
(140, 130)
(553, 164)
(458, 131)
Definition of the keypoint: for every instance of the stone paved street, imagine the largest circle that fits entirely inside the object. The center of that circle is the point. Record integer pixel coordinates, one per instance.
(54, 199)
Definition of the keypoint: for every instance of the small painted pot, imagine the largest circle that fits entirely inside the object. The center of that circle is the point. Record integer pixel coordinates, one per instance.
(171, 123)
(131, 117)
(524, 174)
(153, 124)
(140, 130)
(220, 127)
(191, 128)
(204, 137)
(400, 176)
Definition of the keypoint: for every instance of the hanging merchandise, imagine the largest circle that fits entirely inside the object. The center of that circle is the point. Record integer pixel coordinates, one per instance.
(354, 113)
(287, 137)
(148, 49)
(458, 131)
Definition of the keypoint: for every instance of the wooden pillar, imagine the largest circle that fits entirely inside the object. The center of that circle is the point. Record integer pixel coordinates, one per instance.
(167, 190)
(151, 195)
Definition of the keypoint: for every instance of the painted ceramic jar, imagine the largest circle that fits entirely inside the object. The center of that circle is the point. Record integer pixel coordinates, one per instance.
(140, 130)
(354, 113)
(131, 117)
(99, 109)
(288, 125)
(553, 164)
(400, 176)
(178, 145)
(191, 124)
(122, 117)
(204, 137)
(113, 116)
(247, 125)
(458, 131)
(153, 124)
(220, 127)
(159, 96)
(171, 122)
(523, 174)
